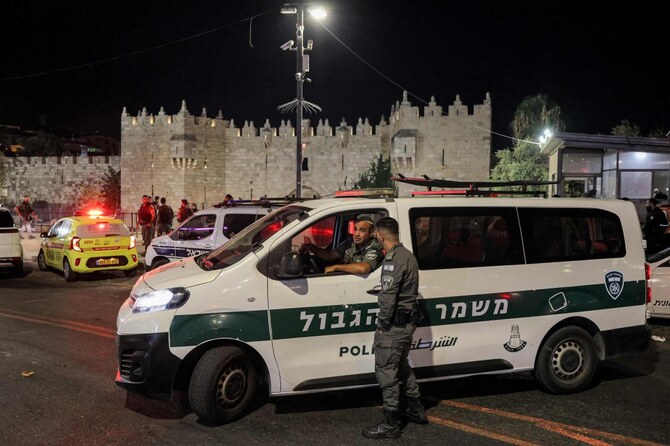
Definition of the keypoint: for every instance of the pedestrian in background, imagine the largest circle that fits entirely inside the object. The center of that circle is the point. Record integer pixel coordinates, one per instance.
(194, 208)
(184, 211)
(27, 215)
(146, 217)
(164, 218)
(396, 323)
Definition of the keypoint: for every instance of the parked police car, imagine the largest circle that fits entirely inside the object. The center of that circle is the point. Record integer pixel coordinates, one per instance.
(205, 230)
(659, 271)
(506, 285)
(11, 250)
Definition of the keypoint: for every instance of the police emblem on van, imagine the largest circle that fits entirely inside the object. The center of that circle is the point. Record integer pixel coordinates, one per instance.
(614, 284)
(515, 343)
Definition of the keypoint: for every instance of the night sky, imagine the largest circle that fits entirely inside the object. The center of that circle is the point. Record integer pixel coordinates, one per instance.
(599, 64)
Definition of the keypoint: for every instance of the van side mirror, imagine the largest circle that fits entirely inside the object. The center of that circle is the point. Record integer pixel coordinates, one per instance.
(44, 234)
(290, 266)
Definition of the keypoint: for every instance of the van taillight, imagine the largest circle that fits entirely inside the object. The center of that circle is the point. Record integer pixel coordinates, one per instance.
(74, 244)
(133, 242)
(647, 276)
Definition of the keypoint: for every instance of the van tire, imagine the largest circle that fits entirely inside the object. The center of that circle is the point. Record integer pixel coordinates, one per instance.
(222, 385)
(68, 274)
(567, 361)
(159, 262)
(42, 261)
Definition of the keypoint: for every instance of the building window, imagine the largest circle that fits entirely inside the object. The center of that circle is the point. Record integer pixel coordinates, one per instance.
(305, 164)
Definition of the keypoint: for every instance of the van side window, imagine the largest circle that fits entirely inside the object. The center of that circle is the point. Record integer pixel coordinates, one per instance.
(234, 223)
(552, 235)
(331, 233)
(465, 237)
(197, 228)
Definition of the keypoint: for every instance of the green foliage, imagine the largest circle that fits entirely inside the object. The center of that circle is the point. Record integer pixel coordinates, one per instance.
(658, 133)
(111, 189)
(42, 144)
(533, 115)
(377, 175)
(625, 128)
(522, 162)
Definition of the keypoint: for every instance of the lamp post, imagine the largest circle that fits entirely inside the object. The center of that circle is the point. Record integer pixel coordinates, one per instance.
(301, 69)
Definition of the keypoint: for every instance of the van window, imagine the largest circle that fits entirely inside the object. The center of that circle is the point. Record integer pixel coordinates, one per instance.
(250, 238)
(552, 235)
(334, 232)
(234, 223)
(196, 228)
(98, 229)
(465, 237)
(55, 228)
(6, 220)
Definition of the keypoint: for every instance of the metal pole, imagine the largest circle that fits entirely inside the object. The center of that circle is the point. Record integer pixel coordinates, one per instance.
(299, 77)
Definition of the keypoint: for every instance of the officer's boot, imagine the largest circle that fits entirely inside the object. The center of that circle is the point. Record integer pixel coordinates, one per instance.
(386, 429)
(415, 412)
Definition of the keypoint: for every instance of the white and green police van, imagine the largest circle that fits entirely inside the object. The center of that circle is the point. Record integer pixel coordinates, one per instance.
(506, 285)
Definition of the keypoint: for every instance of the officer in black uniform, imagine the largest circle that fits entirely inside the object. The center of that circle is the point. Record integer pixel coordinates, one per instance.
(396, 323)
(655, 225)
(364, 255)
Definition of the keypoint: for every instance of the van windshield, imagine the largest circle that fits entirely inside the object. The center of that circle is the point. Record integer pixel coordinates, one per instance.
(251, 237)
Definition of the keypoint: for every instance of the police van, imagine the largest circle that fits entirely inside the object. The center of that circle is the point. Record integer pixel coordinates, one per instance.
(551, 286)
(206, 230)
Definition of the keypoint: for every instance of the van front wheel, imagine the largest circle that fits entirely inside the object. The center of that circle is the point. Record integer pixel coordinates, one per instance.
(222, 385)
(567, 361)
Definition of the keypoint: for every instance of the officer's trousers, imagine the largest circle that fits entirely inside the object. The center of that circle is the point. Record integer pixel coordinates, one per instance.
(392, 367)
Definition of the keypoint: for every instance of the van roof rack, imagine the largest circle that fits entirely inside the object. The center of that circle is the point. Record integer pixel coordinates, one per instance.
(472, 188)
(263, 202)
(378, 192)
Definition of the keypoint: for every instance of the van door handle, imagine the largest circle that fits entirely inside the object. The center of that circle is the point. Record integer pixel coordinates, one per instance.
(375, 290)
(208, 245)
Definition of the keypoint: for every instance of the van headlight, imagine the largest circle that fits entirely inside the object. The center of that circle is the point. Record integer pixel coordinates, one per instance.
(168, 299)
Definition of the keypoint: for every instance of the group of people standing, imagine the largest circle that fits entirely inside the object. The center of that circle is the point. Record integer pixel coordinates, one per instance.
(155, 217)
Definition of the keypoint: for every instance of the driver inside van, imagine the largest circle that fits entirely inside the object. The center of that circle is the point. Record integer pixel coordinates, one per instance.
(362, 257)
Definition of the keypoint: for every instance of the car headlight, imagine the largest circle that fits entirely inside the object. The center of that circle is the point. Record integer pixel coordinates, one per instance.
(168, 299)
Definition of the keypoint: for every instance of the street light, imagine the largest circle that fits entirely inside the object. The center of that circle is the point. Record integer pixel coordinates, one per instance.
(302, 67)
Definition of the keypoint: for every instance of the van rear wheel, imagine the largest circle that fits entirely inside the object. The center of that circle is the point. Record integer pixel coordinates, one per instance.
(222, 385)
(567, 361)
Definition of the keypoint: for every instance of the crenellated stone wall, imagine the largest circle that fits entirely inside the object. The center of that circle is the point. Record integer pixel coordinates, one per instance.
(57, 180)
(202, 159)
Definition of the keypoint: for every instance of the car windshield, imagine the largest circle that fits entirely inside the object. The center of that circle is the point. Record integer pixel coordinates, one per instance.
(250, 238)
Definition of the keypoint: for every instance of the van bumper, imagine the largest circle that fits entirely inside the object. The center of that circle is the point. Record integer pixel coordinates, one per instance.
(626, 340)
(146, 366)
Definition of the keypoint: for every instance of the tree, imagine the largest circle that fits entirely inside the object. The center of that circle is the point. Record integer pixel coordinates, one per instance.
(377, 175)
(625, 128)
(111, 189)
(3, 173)
(523, 161)
(42, 144)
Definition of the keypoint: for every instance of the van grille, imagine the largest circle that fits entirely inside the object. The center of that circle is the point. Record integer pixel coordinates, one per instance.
(125, 364)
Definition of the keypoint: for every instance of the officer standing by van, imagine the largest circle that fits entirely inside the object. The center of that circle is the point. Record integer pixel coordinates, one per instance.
(396, 323)
(655, 225)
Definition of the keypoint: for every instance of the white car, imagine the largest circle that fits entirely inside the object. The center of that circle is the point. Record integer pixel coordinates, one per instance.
(659, 265)
(203, 231)
(11, 250)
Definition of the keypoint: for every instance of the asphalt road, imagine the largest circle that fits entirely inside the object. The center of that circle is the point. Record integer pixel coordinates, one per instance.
(57, 368)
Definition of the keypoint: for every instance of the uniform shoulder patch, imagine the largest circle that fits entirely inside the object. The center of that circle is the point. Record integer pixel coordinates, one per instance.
(371, 255)
(388, 267)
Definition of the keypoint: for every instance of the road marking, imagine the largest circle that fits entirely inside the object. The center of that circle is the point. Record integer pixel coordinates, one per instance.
(564, 429)
(480, 432)
(82, 327)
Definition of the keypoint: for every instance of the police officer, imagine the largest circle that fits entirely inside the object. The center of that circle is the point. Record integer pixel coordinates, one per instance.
(655, 225)
(396, 322)
(363, 256)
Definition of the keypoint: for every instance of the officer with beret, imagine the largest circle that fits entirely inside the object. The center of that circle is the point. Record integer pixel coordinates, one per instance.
(363, 256)
(396, 323)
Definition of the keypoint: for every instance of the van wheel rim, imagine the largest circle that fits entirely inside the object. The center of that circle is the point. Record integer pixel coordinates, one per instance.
(41, 261)
(232, 386)
(66, 269)
(568, 360)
